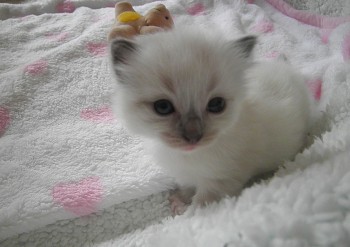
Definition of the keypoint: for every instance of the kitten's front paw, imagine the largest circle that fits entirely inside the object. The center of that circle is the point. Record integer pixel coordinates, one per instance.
(179, 200)
(177, 206)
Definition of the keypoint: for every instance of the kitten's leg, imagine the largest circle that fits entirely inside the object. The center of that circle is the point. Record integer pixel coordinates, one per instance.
(204, 197)
(180, 199)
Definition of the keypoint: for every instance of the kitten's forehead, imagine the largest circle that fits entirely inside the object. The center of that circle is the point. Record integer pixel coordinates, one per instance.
(183, 67)
(189, 93)
(187, 70)
(189, 82)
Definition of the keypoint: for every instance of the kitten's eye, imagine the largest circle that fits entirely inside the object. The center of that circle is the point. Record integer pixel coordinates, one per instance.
(163, 107)
(216, 105)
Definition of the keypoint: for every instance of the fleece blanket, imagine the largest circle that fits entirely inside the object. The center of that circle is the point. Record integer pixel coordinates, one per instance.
(71, 176)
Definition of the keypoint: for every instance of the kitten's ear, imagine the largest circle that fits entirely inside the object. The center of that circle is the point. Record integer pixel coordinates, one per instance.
(245, 45)
(121, 50)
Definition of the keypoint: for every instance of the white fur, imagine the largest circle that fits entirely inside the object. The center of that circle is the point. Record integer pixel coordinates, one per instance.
(265, 122)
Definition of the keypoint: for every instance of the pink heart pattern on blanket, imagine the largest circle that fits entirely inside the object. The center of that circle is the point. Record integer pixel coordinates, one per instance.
(4, 119)
(315, 87)
(97, 49)
(65, 7)
(196, 9)
(98, 115)
(36, 68)
(57, 36)
(263, 26)
(81, 197)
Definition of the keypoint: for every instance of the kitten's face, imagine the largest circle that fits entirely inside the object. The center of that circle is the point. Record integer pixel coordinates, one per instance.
(179, 87)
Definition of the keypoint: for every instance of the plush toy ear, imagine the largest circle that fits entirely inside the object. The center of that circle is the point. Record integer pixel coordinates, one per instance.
(121, 50)
(245, 45)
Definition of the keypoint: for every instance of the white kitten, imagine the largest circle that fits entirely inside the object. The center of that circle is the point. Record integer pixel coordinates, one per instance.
(216, 118)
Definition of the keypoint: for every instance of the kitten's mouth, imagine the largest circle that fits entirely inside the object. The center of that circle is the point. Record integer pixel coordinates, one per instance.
(179, 143)
(190, 148)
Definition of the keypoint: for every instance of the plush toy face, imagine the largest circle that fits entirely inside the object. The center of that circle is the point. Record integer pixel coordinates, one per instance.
(159, 17)
(130, 23)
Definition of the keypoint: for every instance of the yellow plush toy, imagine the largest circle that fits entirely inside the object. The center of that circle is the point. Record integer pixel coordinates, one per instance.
(130, 23)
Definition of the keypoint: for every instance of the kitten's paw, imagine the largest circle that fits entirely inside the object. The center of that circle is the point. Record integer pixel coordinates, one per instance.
(179, 200)
(177, 206)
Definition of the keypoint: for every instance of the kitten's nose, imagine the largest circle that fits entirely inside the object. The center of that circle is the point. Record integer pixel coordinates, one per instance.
(192, 130)
(192, 138)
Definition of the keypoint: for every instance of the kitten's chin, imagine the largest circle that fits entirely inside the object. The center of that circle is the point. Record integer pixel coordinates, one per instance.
(190, 148)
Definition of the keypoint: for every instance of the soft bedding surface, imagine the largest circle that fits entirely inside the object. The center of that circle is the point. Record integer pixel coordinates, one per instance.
(71, 176)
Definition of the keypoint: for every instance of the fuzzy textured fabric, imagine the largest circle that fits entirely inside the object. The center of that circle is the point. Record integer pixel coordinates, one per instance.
(63, 155)
(331, 8)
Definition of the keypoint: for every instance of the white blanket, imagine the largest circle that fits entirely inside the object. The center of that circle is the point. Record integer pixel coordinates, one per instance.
(64, 155)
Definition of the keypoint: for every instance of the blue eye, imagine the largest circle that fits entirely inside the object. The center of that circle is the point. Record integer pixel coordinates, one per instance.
(216, 105)
(163, 107)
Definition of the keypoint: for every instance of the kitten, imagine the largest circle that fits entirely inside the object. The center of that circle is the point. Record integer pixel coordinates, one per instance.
(216, 118)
